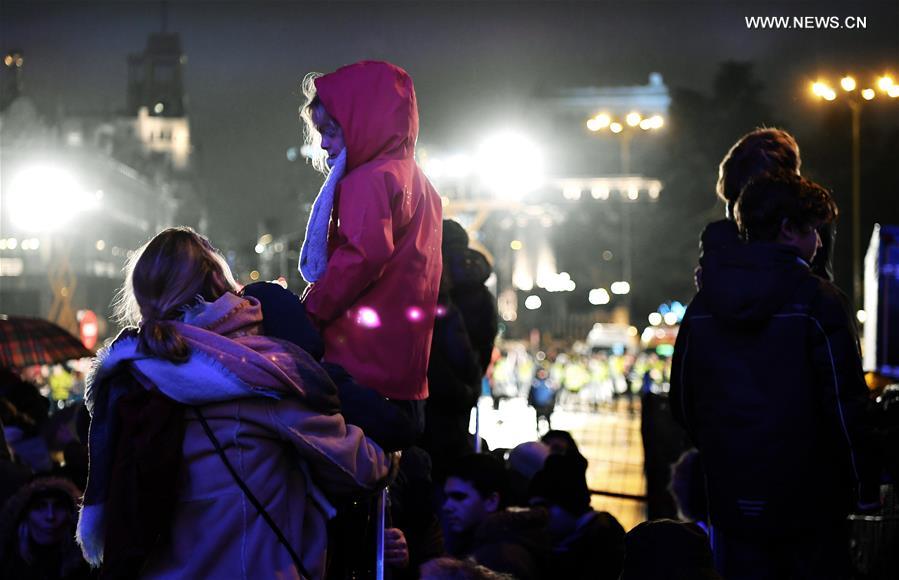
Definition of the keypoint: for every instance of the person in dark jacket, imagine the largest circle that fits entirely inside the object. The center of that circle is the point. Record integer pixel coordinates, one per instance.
(462, 344)
(454, 382)
(768, 382)
(542, 397)
(763, 151)
(469, 270)
(586, 544)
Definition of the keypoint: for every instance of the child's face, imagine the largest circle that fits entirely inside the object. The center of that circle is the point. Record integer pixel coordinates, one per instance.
(805, 239)
(332, 134)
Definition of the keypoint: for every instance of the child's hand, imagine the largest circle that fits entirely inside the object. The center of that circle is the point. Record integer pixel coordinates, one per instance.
(396, 551)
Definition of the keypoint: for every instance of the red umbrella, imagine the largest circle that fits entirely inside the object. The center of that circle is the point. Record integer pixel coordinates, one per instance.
(34, 341)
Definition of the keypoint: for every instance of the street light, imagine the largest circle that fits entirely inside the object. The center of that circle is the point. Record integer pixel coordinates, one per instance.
(626, 129)
(621, 287)
(510, 164)
(44, 198)
(599, 296)
(849, 84)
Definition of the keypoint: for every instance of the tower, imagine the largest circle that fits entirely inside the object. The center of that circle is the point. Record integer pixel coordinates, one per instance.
(156, 98)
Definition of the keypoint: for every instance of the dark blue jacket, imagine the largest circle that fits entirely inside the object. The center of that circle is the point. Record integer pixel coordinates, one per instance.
(767, 380)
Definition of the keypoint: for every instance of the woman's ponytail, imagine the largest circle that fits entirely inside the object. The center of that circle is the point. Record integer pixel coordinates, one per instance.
(163, 277)
(161, 339)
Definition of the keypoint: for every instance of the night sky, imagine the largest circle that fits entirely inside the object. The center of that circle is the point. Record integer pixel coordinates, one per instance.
(472, 62)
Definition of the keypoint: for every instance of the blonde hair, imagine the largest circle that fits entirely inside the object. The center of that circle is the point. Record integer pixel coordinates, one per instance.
(311, 137)
(162, 278)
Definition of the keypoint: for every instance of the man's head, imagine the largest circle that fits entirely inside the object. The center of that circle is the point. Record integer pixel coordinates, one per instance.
(476, 486)
(561, 486)
(786, 209)
(757, 153)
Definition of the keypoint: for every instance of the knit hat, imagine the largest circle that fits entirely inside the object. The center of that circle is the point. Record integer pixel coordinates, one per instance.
(562, 482)
(528, 458)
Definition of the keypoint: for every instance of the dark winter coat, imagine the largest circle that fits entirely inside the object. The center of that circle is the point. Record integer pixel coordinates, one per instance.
(767, 380)
(454, 379)
(467, 271)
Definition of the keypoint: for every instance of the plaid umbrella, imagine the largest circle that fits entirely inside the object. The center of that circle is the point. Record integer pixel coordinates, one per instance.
(34, 341)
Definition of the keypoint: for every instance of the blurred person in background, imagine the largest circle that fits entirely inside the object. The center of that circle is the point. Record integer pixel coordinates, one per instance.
(586, 544)
(37, 533)
(542, 397)
(562, 443)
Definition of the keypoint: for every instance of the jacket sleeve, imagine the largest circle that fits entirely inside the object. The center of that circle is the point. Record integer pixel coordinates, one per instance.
(678, 391)
(341, 458)
(844, 395)
(365, 222)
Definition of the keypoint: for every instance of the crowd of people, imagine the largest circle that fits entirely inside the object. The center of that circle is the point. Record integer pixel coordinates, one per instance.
(246, 432)
(576, 379)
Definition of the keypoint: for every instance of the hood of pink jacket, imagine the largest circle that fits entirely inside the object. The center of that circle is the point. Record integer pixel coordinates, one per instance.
(374, 104)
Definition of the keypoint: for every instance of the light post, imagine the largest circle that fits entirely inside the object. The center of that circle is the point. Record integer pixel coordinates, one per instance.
(855, 99)
(633, 123)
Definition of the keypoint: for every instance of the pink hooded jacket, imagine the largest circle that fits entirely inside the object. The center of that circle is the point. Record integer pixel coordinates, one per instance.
(376, 301)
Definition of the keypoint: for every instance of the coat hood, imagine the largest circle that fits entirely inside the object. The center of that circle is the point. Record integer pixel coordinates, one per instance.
(374, 104)
(747, 284)
(467, 267)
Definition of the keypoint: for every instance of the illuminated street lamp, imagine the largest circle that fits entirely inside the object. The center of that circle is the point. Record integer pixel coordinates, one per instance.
(822, 90)
(44, 198)
(625, 129)
(510, 164)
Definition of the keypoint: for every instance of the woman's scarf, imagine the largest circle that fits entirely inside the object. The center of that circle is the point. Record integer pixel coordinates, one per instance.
(229, 360)
(314, 253)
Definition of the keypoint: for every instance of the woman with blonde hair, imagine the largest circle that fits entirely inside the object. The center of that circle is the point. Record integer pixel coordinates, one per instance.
(214, 450)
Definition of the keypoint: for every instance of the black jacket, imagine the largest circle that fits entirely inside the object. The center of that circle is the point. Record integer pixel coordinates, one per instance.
(468, 271)
(454, 385)
(767, 380)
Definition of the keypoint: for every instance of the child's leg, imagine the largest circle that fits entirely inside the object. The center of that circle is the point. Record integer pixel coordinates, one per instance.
(387, 425)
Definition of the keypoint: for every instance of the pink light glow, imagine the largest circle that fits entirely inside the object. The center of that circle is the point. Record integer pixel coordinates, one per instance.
(440, 311)
(414, 314)
(368, 318)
